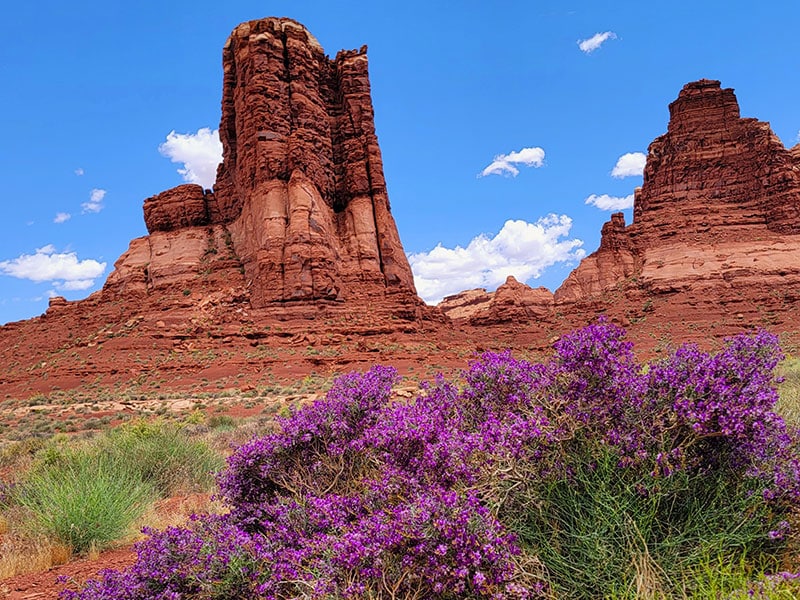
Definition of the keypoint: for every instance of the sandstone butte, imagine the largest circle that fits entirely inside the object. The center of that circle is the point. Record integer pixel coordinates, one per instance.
(292, 265)
(714, 246)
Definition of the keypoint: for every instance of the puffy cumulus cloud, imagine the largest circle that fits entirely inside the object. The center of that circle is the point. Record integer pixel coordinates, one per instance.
(521, 249)
(75, 284)
(62, 217)
(591, 44)
(79, 171)
(62, 268)
(505, 164)
(199, 152)
(629, 164)
(606, 202)
(95, 203)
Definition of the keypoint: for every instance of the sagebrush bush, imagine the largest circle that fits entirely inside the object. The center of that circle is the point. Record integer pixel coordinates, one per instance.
(588, 475)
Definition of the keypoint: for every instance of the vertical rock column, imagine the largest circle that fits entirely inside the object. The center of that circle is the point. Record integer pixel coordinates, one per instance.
(301, 185)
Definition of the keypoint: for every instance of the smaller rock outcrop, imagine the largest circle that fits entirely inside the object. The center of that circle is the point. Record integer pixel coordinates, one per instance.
(183, 206)
(511, 302)
(612, 263)
(465, 304)
(515, 302)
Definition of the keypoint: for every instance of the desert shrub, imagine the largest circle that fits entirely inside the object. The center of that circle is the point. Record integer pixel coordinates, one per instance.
(587, 475)
(84, 500)
(163, 454)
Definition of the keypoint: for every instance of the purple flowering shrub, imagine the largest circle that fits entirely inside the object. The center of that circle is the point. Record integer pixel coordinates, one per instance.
(314, 451)
(507, 486)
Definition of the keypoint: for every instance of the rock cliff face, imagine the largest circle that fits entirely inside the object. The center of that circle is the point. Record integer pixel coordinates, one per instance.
(300, 204)
(301, 184)
(715, 176)
(716, 226)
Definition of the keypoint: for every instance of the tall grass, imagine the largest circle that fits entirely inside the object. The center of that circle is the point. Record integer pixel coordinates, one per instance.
(789, 404)
(85, 500)
(607, 532)
(163, 454)
(88, 495)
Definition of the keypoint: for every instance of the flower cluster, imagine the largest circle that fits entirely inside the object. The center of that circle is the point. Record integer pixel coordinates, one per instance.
(359, 495)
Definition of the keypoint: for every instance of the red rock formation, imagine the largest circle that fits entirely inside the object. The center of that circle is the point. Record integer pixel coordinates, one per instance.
(715, 176)
(511, 302)
(301, 184)
(465, 304)
(300, 203)
(515, 302)
(719, 210)
(298, 230)
(296, 249)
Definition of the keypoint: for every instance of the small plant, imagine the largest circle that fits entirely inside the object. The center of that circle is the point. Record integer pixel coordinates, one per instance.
(83, 500)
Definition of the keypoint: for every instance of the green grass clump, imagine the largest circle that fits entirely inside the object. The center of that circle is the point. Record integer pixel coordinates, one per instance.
(163, 454)
(607, 532)
(86, 494)
(85, 500)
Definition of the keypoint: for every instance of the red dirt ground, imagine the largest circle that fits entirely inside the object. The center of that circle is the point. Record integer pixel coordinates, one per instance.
(36, 586)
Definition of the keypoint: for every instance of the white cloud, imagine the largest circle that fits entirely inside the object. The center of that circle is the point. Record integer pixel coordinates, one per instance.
(606, 202)
(199, 152)
(95, 203)
(629, 164)
(503, 164)
(62, 217)
(521, 249)
(75, 284)
(79, 171)
(62, 268)
(591, 44)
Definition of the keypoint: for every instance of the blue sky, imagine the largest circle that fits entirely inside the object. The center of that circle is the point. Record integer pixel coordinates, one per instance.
(486, 112)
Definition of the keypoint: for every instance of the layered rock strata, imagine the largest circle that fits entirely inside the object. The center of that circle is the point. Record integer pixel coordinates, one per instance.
(300, 205)
(715, 176)
(716, 223)
(301, 184)
(715, 232)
